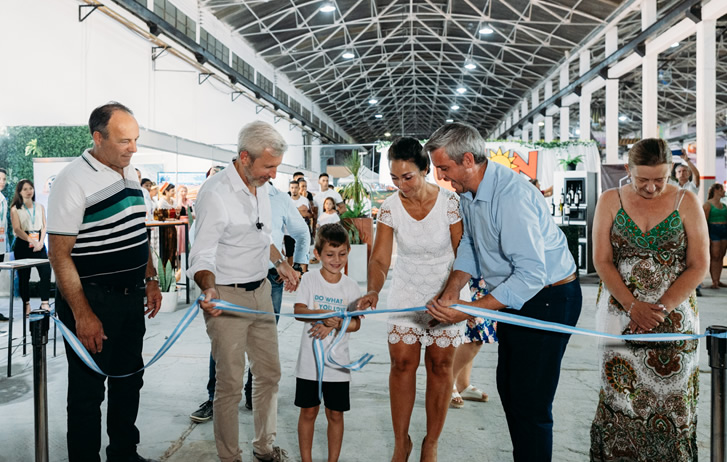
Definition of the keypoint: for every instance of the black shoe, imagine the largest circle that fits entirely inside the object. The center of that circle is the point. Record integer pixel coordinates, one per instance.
(3, 317)
(203, 414)
(699, 292)
(248, 404)
(133, 458)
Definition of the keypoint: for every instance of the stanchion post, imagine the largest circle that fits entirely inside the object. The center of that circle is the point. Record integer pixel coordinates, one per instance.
(717, 350)
(39, 334)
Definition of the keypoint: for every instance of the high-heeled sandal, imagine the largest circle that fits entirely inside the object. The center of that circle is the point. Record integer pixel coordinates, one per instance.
(27, 309)
(45, 306)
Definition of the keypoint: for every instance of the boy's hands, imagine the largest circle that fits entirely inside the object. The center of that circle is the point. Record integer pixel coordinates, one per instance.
(333, 322)
(320, 330)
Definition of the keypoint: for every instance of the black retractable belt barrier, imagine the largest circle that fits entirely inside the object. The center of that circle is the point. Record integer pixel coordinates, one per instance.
(39, 323)
(717, 349)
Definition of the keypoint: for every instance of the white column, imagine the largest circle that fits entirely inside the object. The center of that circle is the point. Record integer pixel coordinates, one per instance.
(706, 97)
(524, 134)
(612, 136)
(564, 115)
(584, 110)
(649, 76)
(523, 113)
(534, 101)
(548, 128)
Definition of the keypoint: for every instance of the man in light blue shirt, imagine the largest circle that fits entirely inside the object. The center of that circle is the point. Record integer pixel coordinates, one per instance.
(511, 240)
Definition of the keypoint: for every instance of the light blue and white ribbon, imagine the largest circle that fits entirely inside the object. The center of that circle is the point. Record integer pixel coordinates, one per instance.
(498, 316)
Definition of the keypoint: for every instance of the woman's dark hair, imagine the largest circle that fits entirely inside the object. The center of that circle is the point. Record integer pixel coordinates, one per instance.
(17, 198)
(712, 189)
(650, 152)
(333, 233)
(167, 187)
(332, 202)
(145, 181)
(409, 149)
(99, 120)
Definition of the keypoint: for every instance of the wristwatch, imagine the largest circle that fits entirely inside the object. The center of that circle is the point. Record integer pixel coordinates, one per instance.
(149, 279)
(278, 262)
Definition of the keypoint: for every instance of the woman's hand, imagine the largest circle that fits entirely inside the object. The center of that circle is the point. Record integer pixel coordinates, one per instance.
(646, 316)
(369, 300)
(37, 246)
(320, 330)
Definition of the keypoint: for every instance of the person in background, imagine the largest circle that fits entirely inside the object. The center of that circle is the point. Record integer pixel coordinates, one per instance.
(682, 173)
(329, 215)
(154, 194)
(213, 170)
(650, 251)
(3, 222)
(303, 187)
(477, 331)
(145, 186)
(547, 192)
(716, 213)
(185, 205)
(325, 290)
(28, 219)
(319, 197)
(167, 193)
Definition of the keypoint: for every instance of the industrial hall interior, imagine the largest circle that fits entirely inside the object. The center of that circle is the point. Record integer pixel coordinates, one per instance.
(489, 230)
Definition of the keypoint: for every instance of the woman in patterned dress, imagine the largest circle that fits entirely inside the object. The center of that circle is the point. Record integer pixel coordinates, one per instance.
(424, 220)
(650, 251)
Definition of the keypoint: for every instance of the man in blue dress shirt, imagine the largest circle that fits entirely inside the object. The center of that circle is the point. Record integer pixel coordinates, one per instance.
(512, 241)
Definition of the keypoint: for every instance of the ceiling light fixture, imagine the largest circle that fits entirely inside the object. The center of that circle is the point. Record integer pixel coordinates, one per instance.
(327, 8)
(455, 107)
(461, 90)
(486, 30)
(469, 64)
(378, 116)
(623, 118)
(347, 55)
(373, 101)
(541, 124)
(449, 121)
(387, 134)
(674, 45)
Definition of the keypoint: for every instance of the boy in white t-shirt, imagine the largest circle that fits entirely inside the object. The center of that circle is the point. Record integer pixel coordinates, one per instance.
(324, 290)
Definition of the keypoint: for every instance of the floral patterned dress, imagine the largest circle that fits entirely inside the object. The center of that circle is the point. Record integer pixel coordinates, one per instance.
(647, 408)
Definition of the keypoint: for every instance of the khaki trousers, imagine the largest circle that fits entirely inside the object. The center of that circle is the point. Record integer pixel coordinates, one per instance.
(232, 336)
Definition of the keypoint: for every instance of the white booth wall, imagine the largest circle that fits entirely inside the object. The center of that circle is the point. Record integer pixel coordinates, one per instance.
(57, 69)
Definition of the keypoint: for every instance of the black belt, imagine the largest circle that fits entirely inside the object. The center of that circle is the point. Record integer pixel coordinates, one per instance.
(246, 285)
(124, 290)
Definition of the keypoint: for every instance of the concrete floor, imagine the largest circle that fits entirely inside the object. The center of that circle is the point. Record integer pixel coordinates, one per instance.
(175, 386)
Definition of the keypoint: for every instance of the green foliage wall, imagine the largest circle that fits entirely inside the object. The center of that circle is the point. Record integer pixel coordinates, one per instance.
(19, 145)
(22, 144)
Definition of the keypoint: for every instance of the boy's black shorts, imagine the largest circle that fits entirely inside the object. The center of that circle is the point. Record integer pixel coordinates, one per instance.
(335, 394)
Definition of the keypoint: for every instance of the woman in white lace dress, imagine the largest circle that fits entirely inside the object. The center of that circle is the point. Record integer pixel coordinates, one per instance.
(424, 220)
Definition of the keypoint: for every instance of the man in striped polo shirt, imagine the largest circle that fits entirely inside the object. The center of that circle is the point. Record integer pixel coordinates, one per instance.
(100, 255)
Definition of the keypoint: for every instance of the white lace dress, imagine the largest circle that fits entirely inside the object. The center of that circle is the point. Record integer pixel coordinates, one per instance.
(423, 262)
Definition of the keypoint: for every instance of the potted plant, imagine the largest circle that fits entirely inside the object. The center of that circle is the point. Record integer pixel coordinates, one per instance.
(570, 163)
(168, 286)
(356, 219)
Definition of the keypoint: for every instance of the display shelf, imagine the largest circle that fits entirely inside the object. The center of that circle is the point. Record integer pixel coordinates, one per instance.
(581, 215)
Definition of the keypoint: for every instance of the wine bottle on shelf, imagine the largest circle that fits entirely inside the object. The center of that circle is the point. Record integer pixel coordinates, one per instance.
(576, 200)
(580, 194)
(552, 207)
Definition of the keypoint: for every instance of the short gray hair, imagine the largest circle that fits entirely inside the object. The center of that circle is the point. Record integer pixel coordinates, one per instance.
(255, 137)
(457, 138)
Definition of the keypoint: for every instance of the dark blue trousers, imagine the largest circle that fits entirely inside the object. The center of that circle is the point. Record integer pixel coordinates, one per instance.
(528, 369)
(122, 317)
